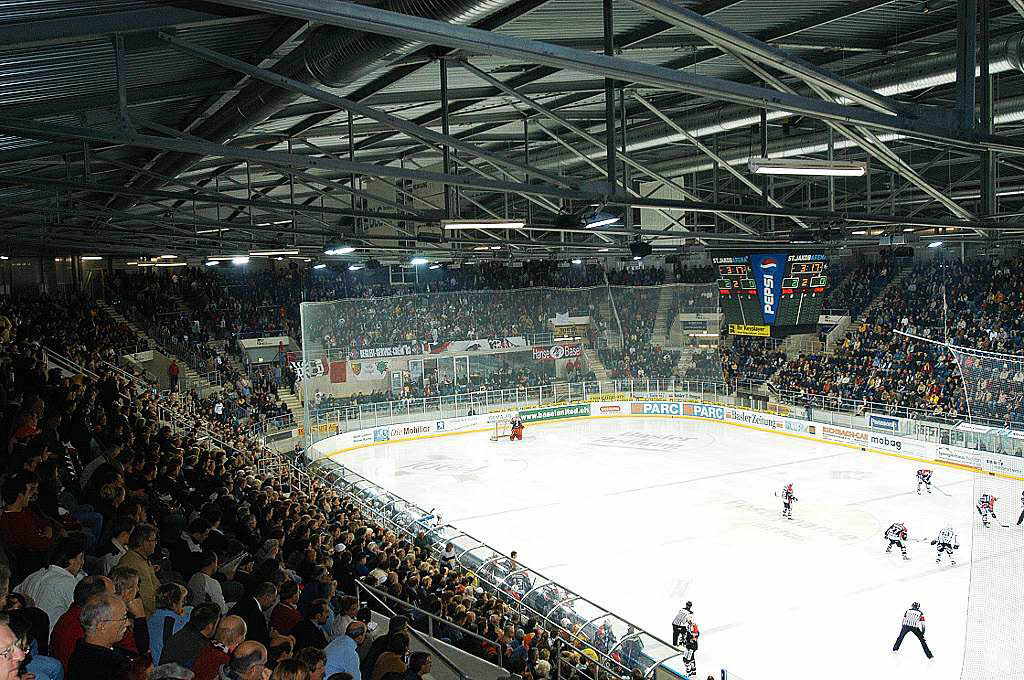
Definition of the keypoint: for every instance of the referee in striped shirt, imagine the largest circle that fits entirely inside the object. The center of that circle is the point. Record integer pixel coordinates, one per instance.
(913, 622)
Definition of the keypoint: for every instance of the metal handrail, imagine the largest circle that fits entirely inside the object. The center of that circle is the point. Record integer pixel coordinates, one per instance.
(378, 594)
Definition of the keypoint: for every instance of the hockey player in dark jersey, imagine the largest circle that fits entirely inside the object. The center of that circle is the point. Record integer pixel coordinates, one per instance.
(946, 543)
(897, 535)
(788, 498)
(1021, 518)
(987, 507)
(924, 477)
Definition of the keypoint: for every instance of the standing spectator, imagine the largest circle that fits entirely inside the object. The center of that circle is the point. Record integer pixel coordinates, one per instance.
(342, 656)
(104, 619)
(173, 371)
(183, 647)
(53, 587)
(230, 633)
(141, 545)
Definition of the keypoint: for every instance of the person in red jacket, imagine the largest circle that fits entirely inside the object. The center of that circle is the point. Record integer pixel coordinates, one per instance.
(230, 633)
(22, 529)
(68, 629)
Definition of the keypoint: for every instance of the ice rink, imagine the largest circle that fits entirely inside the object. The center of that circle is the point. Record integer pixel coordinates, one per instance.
(641, 514)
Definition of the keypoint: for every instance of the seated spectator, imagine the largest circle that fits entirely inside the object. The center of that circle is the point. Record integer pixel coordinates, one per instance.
(285, 615)
(348, 607)
(393, 660)
(203, 587)
(217, 652)
(341, 652)
(68, 629)
(419, 665)
(315, 660)
(308, 632)
(290, 669)
(118, 543)
(397, 624)
(52, 588)
(14, 652)
(168, 618)
(104, 619)
(251, 609)
(126, 586)
(186, 550)
(249, 662)
(141, 546)
(183, 647)
(22, 530)
(29, 625)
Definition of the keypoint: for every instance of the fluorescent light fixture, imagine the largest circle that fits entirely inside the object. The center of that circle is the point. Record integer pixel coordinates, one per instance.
(320, 266)
(355, 267)
(225, 257)
(603, 250)
(814, 167)
(418, 260)
(859, 232)
(168, 257)
(342, 250)
(600, 219)
(171, 264)
(212, 263)
(495, 247)
(92, 257)
(577, 261)
(908, 229)
(271, 224)
(279, 259)
(4, 257)
(211, 231)
(482, 224)
(435, 266)
(145, 264)
(241, 259)
(935, 244)
(480, 248)
(267, 253)
(637, 257)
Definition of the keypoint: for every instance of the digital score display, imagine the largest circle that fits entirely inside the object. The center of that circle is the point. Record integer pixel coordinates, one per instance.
(782, 291)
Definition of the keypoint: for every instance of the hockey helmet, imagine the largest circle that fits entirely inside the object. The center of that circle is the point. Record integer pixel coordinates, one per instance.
(915, 605)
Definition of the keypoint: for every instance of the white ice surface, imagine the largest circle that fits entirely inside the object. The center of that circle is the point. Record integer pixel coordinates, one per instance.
(640, 515)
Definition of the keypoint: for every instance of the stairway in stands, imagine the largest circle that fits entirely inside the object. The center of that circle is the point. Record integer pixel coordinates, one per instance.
(595, 364)
(660, 337)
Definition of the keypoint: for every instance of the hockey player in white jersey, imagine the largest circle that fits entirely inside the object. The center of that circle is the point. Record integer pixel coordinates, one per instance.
(788, 498)
(924, 477)
(946, 543)
(1021, 518)
(897, 535)
(987, 507)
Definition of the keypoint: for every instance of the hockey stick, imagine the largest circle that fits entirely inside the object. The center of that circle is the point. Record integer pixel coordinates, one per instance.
(941, 491)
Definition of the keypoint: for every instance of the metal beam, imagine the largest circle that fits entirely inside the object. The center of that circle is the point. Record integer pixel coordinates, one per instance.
(595, 141)
(966, 61)
(394, 122)
(374, 20)
(753, 48)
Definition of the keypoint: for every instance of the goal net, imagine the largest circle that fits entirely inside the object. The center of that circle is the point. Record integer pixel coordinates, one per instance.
(502, 430)
(990, 438)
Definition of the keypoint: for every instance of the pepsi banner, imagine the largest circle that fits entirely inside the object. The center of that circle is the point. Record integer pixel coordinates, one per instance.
(768, 271)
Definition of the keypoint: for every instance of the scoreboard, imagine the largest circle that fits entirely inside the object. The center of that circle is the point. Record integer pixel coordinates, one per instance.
(776, 294)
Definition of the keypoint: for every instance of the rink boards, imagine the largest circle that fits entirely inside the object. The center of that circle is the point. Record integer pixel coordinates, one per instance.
(1005, 466)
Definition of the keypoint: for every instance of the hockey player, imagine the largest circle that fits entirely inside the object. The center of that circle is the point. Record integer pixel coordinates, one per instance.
(946, 542)
(690, 635)
(1021, 518)
(987, 506)
(924, 477)
(913, 622)
(788, 498)
(517, 429)
(896, 535)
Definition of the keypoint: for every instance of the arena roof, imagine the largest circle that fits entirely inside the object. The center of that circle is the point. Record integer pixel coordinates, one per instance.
(200, 128)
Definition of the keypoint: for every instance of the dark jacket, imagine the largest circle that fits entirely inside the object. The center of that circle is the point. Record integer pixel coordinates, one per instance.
(184, 646)
(249, 609)
(90, 662)
(308, 634)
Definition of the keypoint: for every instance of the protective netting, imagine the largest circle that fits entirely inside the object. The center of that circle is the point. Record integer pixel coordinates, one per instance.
(426, 345)
(994, 394)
